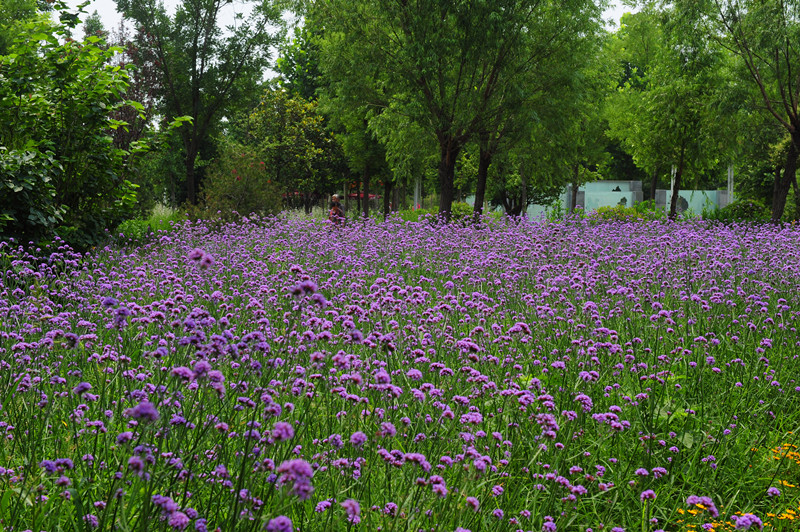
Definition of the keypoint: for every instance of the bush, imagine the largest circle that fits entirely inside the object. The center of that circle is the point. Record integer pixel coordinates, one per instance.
(460, 211)
(617, 213)
(161, 219)
(642, 211)
(744, 210)
(59, 165)
(416, 214)
(237, 182)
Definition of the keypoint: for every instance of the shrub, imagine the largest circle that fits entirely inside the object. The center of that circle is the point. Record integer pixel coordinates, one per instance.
(460, 211)
(237, 182)
(59, 165)
(744, 210)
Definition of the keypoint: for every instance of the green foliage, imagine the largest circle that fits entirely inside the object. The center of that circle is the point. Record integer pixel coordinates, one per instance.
(743, 210)
(460, 211)
(59, 165)
(642, 211)
(27, 201)
(238, 181)
(455, 69)
(139, 230)
(203, 71)
(12, 14)
(298, 153)
(417, 215)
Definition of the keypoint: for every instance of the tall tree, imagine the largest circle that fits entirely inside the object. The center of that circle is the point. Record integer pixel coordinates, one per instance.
(765, 36)
(203, 68)
(13, 13)
(664, 113)
(446, 64)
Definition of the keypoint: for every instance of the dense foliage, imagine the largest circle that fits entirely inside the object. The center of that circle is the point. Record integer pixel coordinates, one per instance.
(59, 170)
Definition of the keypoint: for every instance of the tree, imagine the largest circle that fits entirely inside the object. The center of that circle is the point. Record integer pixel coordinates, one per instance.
(298, 63)
(663, 113)
(93, 27)
(15, 12)
(203, 69)
(765, 36)
(299, 155)
(59, 169)
(445, 64)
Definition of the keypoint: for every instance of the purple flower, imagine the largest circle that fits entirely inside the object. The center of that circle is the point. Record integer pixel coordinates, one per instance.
(706, 502)
(358, 438)
(183, 372)
(353, 510)
(135, 464)
(473, 502)
(280, 524)
(144, 411)
(206, 262)
(282, 431)
(178, 520)
(773, 492)
(81, 388)
(647, 494)
(746, 521)
(297, 472)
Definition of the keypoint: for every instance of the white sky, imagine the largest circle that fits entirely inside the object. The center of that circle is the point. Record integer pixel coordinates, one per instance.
(108, 11)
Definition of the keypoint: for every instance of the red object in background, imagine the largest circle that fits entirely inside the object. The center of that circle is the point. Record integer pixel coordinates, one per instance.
(360, 195)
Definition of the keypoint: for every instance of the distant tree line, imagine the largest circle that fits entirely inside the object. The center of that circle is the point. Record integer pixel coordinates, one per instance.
(507, 101)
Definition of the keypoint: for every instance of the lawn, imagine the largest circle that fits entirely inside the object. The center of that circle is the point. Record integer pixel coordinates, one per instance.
(288, 375)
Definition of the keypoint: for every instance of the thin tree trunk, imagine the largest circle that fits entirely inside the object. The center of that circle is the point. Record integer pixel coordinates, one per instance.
(575, 184)
(449, 151)
(654, 184)
(365, 200)
(191, 182)
(782, 184)
(523, 210)
(484, 162)
(676, 187)
(358, 196)
(387, 191)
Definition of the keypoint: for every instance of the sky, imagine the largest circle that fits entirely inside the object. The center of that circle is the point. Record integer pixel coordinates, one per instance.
(108, 12)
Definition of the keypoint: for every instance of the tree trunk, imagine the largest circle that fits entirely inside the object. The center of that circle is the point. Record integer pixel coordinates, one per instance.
(523, 208)
(395, 199)
(796, 197)
(358, 196)
(365, 199)
(676, 187)
(191, 181)
(449, 151)
(387, 191)
(484, 162)
(573, 202)
(781, 189)
(654, 184)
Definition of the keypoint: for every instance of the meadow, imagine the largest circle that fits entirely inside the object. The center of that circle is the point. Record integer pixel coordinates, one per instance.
(283, 375)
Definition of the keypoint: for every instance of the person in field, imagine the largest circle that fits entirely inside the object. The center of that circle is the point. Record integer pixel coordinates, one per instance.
(336, 214)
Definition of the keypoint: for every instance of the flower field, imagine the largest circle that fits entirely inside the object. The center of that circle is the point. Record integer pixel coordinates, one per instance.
(286, 375)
